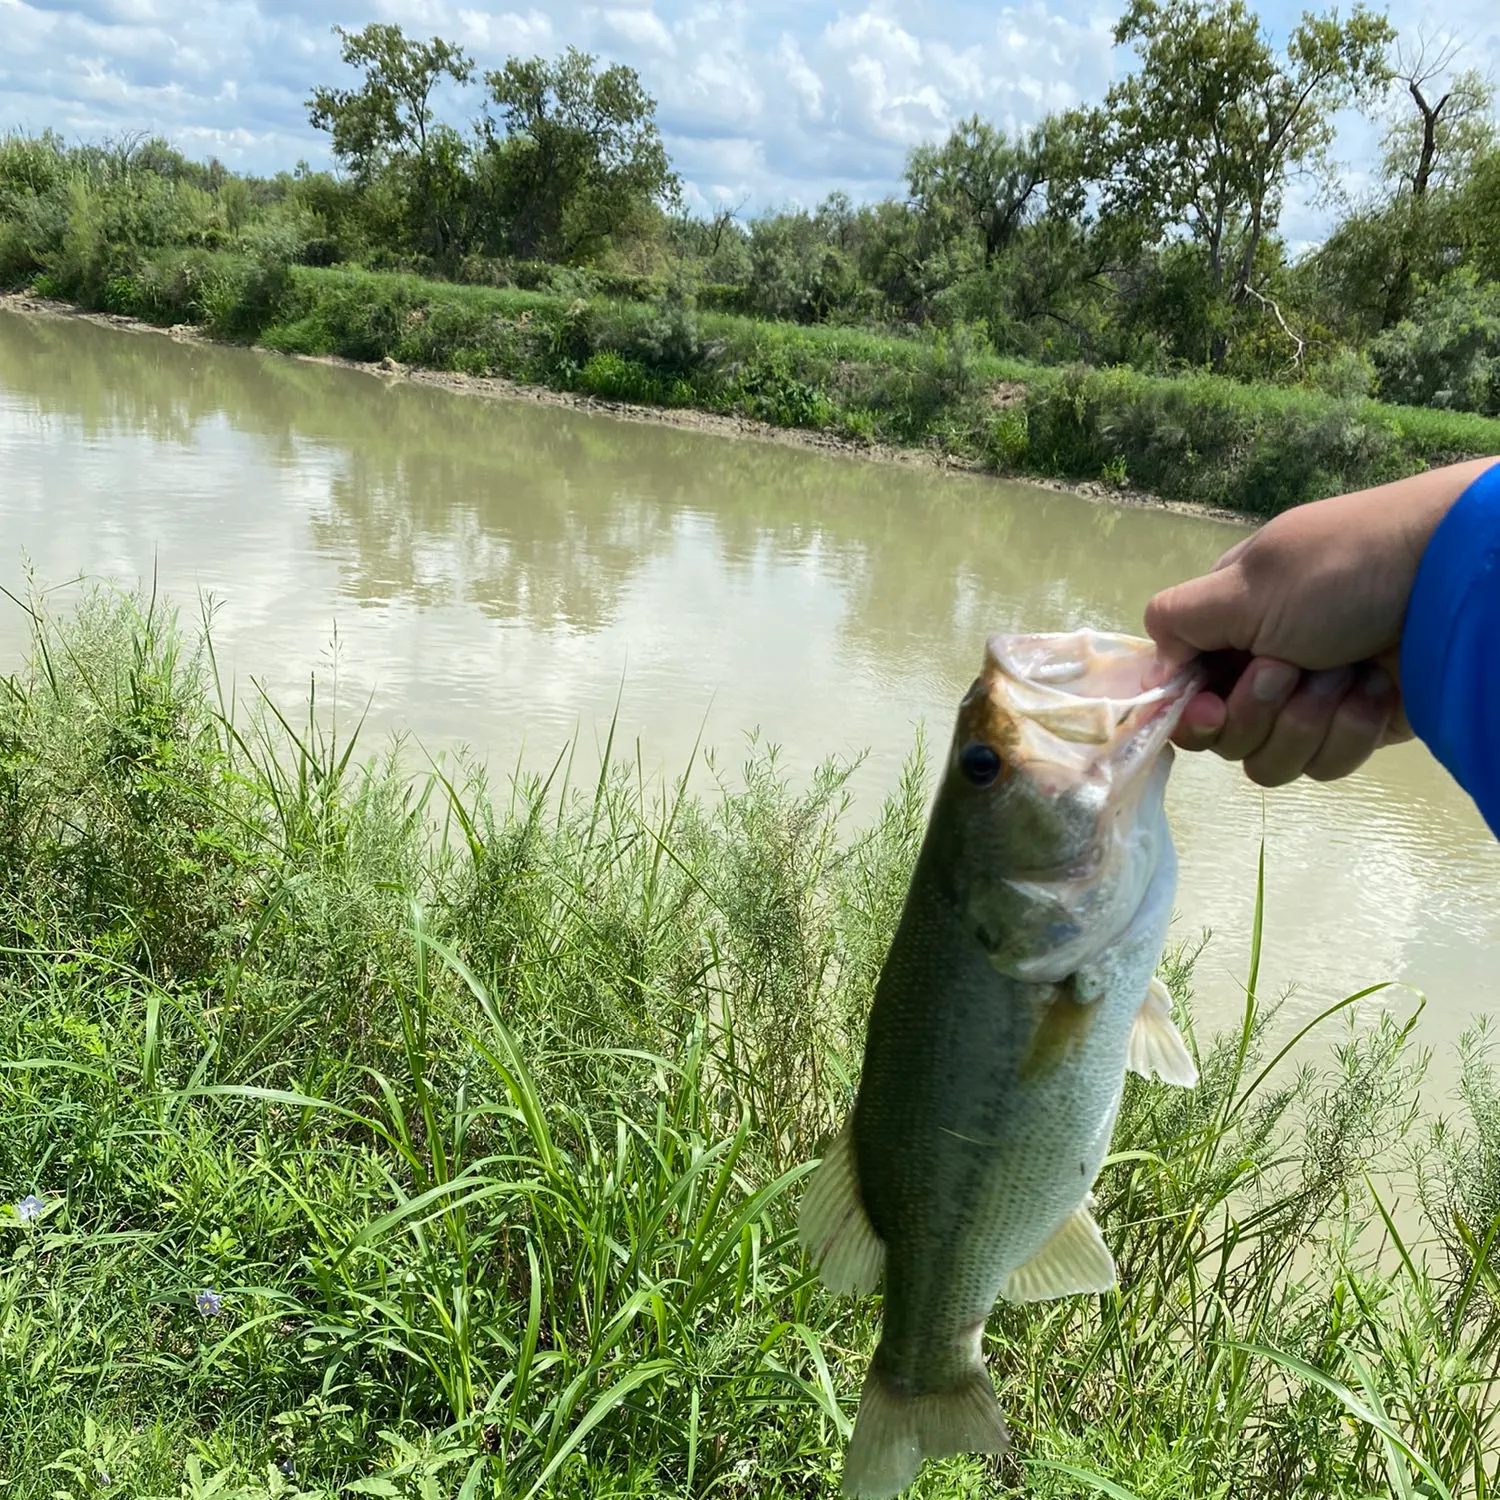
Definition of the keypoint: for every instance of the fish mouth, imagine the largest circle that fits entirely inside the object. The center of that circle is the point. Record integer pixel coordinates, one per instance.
(1075, 706)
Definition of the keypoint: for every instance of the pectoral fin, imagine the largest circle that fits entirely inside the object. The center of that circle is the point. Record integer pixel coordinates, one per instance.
(1073, 1261)
(1067, 1016)
(1156, 1045)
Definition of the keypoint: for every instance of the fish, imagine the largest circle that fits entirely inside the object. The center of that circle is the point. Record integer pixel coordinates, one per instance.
(1018, 991)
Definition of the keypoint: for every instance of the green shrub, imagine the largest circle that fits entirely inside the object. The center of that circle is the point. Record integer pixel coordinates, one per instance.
(796, 274)
(616, 378)
(1346, 375)
(1008, 441)
(112, 228)
(19, 262)
(768, 387)
(31, 167)
(1448, 352)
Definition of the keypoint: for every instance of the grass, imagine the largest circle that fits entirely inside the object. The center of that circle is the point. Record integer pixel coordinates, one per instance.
(1202, 438)
(485, 1120)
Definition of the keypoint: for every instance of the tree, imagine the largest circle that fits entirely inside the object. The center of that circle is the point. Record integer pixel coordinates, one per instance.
(390, 113)
(1207, 134)
(998, 234)
(576, 158)
(980, 180)
(387, 123)
(1451, 129)
(799, 268)
(1432, 149)
(1479, 217)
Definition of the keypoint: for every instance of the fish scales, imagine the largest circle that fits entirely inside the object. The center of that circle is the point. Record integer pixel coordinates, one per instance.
(1018, 990)
(946, 1101)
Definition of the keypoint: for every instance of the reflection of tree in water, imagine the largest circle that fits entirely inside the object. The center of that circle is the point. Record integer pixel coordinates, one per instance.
(524, 545)
(546, 515)
(920, 553)
(103, 379)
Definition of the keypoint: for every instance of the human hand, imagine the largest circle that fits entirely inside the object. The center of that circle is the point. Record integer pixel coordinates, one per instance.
(1300, 628)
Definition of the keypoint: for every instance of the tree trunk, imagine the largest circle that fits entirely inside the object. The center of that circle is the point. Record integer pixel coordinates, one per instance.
(1398, 294)
(1431, 113)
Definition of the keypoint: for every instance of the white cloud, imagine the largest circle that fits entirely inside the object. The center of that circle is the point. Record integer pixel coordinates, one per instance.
(802, 78)
(498, 36)
(774, 101)
(642, 27)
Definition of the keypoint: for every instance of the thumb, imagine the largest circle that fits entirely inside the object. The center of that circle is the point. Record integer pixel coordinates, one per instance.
(1211, 613)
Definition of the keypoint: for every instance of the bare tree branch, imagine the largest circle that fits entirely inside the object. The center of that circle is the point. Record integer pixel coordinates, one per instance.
(1299, 343)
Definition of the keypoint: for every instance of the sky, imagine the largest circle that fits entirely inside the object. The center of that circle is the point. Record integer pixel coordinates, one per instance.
(762, 105)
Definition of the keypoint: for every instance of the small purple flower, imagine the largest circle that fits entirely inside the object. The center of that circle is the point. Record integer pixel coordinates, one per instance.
(209, 1302)
(30, 1207)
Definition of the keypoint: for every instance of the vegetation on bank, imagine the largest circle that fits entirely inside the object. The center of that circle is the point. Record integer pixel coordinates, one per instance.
(1198, 437)
(368, 1135)
(1105, 297)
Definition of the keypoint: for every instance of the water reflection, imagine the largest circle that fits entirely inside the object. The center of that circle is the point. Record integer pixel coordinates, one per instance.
(495, 571)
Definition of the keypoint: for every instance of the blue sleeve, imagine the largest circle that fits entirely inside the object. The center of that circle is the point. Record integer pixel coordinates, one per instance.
(1450, 670)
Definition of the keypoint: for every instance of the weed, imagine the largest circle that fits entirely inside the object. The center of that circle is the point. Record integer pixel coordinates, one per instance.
(483, 1121)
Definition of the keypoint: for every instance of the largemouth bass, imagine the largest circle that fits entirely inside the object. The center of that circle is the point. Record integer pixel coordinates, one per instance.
(1019, 989)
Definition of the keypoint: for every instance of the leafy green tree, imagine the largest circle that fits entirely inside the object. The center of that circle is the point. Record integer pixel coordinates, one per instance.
(1349, 280)
(799, 270)
(901, 255)
(575, 158)
(983, 181)
(387, 125)
(390, 113)
(1479, 218)
(1447, 353)
(1208, 132)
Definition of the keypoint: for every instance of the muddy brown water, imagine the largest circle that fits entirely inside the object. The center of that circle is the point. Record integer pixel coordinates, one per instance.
(500, 574)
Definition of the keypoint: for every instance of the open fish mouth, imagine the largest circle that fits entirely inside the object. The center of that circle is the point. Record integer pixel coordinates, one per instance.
(1077, 704)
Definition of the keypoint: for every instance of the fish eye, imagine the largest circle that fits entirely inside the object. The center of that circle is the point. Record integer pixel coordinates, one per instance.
(979, 763)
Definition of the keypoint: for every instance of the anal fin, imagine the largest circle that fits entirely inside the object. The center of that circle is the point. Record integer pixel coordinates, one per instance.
(1074, 1261)
(1156, 1045)
(833, 1226)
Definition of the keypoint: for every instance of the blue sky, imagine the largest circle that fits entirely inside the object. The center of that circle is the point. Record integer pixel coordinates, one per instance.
(767, 103)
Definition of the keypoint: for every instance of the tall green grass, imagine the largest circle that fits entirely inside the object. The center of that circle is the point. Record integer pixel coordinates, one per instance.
(483, 1121)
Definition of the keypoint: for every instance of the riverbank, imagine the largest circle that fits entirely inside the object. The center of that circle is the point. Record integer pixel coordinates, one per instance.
(369, 1136)
(720, 424)
(1200, 440)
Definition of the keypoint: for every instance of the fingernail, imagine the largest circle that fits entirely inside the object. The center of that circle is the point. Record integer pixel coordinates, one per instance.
(1272, 681)
(1327, 684)
(1156, 673)
(1377, 682)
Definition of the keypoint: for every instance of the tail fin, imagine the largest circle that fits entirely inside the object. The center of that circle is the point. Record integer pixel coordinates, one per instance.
(894, 1433)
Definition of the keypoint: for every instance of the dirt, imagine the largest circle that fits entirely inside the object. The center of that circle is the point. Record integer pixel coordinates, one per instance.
(1006, 394)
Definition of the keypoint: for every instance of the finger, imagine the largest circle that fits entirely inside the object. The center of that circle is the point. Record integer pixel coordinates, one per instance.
(1300, 729)
(1253, 705)
(1234, 553)
(1211, 613)
(1201, 722)
(1362, 724)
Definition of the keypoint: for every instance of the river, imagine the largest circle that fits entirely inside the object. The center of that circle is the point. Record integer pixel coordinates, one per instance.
(501, 574)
